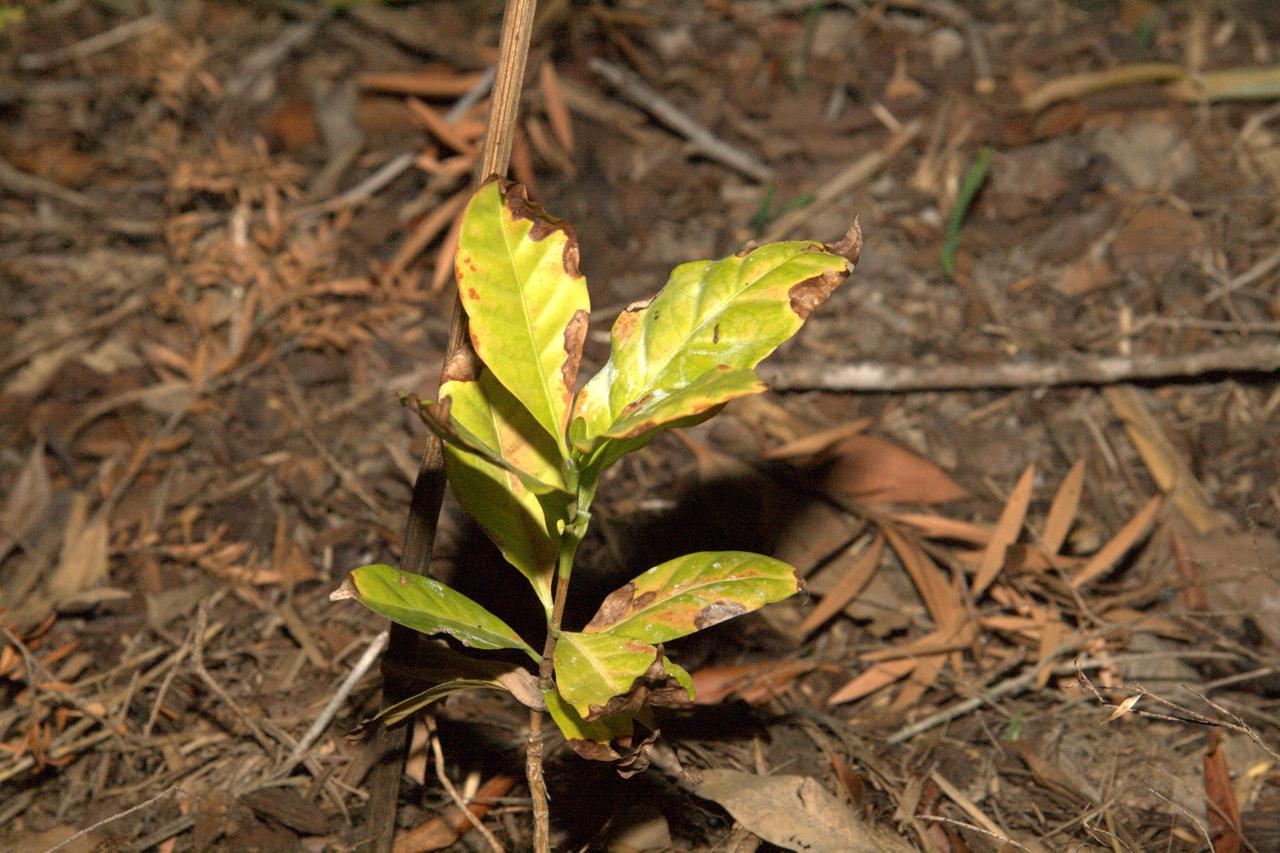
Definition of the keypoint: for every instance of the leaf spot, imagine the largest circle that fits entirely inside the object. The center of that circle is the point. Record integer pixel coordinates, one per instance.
(717, 612)
(575, 334)
(715, 334)
(812, 292)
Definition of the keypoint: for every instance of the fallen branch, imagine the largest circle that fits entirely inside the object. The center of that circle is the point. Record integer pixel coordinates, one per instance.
(1071, 370)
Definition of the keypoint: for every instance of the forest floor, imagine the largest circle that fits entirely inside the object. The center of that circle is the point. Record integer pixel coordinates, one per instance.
(1035, 498)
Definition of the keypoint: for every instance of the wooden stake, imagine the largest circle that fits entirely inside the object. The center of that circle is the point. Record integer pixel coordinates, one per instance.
(391, 744)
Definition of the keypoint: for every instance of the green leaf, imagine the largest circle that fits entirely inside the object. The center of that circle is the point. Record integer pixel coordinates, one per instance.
(397, 711)
(729, 314)
(693, 592)
(575, 728)
(498, 498)
(603, 674)
(518, 278)
(426, 605)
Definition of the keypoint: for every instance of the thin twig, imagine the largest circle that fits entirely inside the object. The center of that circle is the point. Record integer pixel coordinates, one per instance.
(437, 752)
(335, 702)
(93, 44)
(169, 791)
(197, 661)
(1097, 370)
(647, 98)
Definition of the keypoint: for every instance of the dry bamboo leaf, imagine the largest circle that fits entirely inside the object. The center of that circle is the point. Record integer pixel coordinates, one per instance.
(1164, 462)
(1124, 708)
(83, 562)
(425, 82)
(28, 502)
(446, 255)
(873, 679)
(1062, 512)
(425, 231)
(522, 161)
(553, 102)
(443, 830)
(1088, 82)
(940, 527)
(754, 683)
(1006, 531)
(870, 469)
(1108, 555)
(818, 443)
(920, 680)
(1224, 810)
(952, 638)
(939, 598)
(1054, 634)
(850, 580)
(445, 131)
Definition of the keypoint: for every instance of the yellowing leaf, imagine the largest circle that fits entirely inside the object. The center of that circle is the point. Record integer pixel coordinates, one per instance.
(729, 314)
(693, 592)
(500, 501)
(603, 674)
(518, 279)
(426, 605)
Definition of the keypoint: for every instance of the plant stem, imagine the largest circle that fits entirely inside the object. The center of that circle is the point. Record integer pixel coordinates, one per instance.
(574, 531)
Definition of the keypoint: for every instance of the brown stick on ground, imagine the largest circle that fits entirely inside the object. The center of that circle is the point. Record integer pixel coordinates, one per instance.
(1097, 370)
(391, 744)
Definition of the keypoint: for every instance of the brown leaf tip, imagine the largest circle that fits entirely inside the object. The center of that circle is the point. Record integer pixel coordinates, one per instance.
(812, 292)
(544, 224)
(575, 335)
(344, 592)
(461, 367)
(850, 245)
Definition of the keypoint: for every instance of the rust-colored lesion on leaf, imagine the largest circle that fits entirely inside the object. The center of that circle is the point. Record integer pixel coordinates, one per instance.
(812, 292)
(629, 318)
(575, 335)
(613, 609)
(516, 197)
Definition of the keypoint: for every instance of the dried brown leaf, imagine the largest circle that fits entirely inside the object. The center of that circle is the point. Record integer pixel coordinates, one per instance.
(1006, 531)
(553, 102)
(83, 562)
(942, 602)
(1224, 811)
(424, 82)
(28, 502)
(870, 469)
(851, 577)
(878, 676)
(940, 527)
(1062, 511)
(1108, 555)
(819, 443)
(754, 683)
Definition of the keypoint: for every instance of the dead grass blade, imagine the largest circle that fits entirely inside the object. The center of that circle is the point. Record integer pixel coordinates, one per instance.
(1006, 531)
(1063, 509)
(879, 676)
(919, 681)
(1108, 555)
(955, 638)
(852, 578)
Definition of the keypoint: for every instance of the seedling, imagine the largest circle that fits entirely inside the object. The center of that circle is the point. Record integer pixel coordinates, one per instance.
(524, 454)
